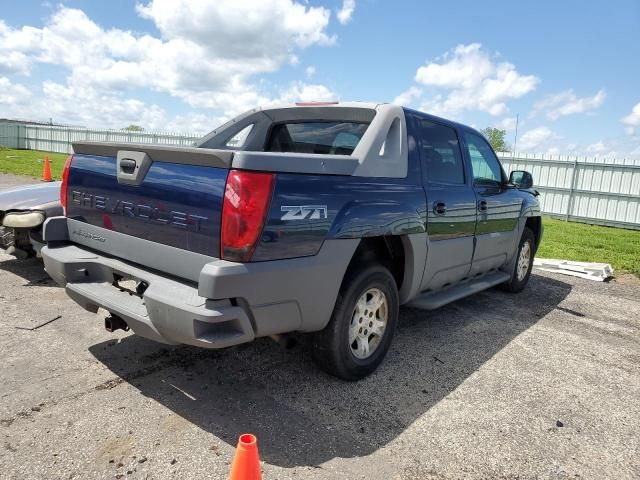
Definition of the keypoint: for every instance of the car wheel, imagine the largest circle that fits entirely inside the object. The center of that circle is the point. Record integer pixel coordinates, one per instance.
(362, 324)
(524, 263)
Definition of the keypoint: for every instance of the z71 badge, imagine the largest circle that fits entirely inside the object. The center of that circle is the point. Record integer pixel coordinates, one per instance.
(303, 212)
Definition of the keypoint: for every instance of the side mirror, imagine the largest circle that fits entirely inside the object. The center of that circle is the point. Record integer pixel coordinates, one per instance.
(521, 179)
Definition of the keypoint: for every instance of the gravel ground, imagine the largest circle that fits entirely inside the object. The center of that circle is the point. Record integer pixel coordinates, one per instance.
(9, 181)
(544, 384)
(539, 385)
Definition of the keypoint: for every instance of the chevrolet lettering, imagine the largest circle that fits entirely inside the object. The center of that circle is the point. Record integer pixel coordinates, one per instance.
(138, 210)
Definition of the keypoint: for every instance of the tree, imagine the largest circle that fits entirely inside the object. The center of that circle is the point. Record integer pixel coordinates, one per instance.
(496, 139)
(133, 128)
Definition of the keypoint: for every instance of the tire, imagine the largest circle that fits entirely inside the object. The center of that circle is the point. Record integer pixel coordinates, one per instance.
(522, 268)
(332, 350)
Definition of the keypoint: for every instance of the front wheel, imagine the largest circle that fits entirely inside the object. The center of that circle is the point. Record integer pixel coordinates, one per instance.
(524, 263)
(362, 325)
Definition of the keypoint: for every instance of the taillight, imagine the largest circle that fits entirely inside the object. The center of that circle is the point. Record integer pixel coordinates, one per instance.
(65, 180)
(246, 202)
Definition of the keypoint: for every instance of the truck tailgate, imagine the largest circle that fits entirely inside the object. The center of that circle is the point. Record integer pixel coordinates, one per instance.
(173, 203)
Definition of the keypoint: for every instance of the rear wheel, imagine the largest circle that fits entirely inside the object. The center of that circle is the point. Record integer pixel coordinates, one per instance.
(362, 325)
(524, 263)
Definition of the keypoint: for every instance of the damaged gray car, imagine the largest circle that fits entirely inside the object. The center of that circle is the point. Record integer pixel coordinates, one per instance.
(23, 210)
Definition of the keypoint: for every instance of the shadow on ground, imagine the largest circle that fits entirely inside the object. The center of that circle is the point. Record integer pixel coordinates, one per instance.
(31, 269)
(304, 417)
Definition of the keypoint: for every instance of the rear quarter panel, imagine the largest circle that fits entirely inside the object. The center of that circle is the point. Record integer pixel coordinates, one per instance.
(337, 207)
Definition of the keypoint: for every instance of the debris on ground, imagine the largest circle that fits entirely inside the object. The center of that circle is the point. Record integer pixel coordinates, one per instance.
(591, 271)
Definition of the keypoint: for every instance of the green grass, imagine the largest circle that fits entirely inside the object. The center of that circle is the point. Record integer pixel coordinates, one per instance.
(30, 162)
(591, 243)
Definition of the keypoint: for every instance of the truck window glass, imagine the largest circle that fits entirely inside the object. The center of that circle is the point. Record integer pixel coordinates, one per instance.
(484, 164)
(440, 153)
(239, 138)
(337, 138)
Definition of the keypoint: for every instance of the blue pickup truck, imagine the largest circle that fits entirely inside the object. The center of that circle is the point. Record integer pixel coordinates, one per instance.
(320, 218)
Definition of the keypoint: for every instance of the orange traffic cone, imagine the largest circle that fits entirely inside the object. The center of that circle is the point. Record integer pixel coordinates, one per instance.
(246, 463)
(46, 175)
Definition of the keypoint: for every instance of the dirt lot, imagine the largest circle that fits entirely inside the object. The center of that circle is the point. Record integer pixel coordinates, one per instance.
(9, 181)
(545, 384)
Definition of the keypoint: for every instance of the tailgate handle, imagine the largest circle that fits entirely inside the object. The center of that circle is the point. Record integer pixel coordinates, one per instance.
(127, 165)
(132, 167)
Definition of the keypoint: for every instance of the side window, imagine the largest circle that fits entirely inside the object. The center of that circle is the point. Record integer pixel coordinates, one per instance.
(484, 164)
(440, 153)
(239, 138)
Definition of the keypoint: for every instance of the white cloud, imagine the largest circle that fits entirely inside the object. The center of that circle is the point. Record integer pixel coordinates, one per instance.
(535, 138)
(244, 98)
(78, 106)
(249, 29)
(597, 147)
(12, 95)
(408, 96)
(632, 120)
(194, 123)
(463, 67)
(567, 103)
(468, 78)
(87, 106)
(207, 54)
(346, 12)
(610, 148)
(14, 63)
(304, 92)
(553, 151)
(507, 123)
(310, 71)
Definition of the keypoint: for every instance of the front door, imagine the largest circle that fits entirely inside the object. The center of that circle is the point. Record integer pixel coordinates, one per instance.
(498, 207)
(451, 205)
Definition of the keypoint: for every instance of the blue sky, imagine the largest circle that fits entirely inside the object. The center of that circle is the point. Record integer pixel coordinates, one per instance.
(568, 69)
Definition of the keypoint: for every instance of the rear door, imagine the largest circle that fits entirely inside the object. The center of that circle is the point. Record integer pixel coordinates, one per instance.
(451, 204)
(498, 207)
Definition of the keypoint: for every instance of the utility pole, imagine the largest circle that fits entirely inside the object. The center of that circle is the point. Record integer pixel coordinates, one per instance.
(515, 137)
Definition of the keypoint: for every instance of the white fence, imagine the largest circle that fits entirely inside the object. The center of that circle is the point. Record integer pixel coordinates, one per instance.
(59, 139)
(591, 190)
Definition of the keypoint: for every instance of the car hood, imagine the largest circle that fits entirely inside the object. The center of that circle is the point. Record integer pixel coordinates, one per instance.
(30, 197)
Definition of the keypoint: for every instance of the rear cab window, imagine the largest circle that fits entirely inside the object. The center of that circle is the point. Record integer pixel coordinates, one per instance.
(326, 137)
(440, 153)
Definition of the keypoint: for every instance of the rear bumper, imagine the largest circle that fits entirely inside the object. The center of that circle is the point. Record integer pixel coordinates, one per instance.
(232, 303)
(169, 311)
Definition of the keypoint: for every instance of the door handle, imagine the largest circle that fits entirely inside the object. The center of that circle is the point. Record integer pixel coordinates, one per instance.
(482, 205)
(439, 208)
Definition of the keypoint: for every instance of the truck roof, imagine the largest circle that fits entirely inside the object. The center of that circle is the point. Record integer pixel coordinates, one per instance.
(370, 105)
(335, 103)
